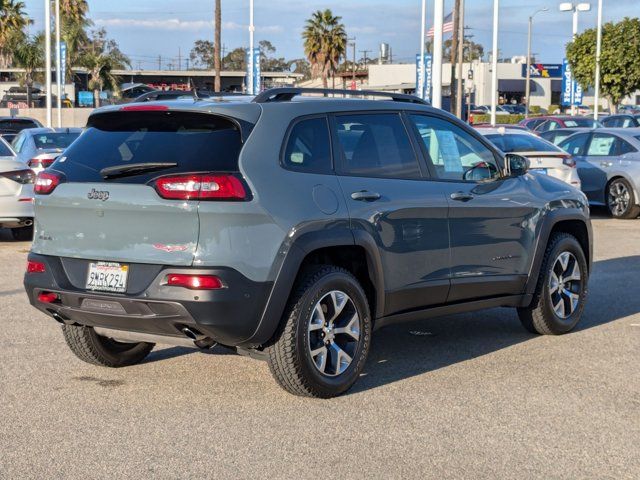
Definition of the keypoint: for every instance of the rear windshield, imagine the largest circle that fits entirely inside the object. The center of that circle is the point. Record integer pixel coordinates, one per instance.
(194, 142)
(5, 151)
(16, 125)
(54, 140)
(510, 143)
(582, 122)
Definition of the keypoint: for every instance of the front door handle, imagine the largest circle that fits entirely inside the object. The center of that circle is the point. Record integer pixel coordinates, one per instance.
(365, 196)
(461, 196)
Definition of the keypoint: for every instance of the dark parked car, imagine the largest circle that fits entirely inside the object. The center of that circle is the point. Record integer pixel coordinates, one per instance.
(558, 135)
(290, 230)
(14, 125)
(621, 121)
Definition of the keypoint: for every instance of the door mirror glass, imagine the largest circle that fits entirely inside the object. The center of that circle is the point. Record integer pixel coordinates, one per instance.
(518, 165)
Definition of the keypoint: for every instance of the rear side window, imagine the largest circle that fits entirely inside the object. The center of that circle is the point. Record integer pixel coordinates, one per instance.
(575, 145)
(602, 145)
(375, 145)
(188, 142)
(54, 140)
(308, 146)
(513, 143)
(5, 151)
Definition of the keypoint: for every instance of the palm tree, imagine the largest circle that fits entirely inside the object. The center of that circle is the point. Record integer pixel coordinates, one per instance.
(100, 58)
(13, 20)
(74, 11)
(216, 46)
(74, 24)
(325, 42)
(29, 56)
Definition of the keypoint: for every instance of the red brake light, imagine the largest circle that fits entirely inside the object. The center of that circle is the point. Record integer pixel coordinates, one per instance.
(41, 162)
(47, 297)
(46, 182)
(35, 267)
(194, 282)
(201, 187)
(144, 108)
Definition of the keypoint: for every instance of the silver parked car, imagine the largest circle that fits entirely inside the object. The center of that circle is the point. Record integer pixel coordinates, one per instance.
(608, 161)
(39, 147)
(16, 194)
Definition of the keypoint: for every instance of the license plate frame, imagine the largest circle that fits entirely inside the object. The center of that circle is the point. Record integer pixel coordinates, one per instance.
(109, 277)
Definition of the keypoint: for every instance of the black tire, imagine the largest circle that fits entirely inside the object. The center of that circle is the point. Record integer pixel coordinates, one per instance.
(92, 348)
(22, 234)
(290, 355)
(621, 200)
(541, 317)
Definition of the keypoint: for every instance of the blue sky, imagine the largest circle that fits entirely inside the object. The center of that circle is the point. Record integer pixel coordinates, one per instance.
(148, 28)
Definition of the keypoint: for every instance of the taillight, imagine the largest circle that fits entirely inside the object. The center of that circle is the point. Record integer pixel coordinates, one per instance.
(20, 176)
(194, 282)
(569, 162)
(35, 267)
(46, 182)
(201, 187)
(40, 162)
(144, 108)
(47, 297)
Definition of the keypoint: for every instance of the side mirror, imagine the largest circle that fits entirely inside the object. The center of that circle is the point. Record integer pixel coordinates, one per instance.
(517, 165)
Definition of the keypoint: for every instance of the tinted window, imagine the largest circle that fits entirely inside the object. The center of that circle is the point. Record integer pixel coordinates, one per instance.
(375, 145)
(455, 153)
(581, 122)
(575, 145)
(624, 147)
(511, 143)
(17, 125)
(308, 147)
(602, 145)
(54, 140)
(5, 150)
(194, 142)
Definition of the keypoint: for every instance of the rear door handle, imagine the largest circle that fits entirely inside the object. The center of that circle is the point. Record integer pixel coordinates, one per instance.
(461, 196)
(365, 196)
(606, 164)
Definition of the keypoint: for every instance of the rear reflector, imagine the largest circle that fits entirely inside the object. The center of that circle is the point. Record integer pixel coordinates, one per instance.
(46, 182)
(201, 187)
(144, 108)
(47, 297)
(35, 267)
(194, 282)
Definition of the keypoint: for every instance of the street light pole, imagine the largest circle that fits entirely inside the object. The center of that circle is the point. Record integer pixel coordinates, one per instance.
(252, 28)
(574, 8)
(596, 96)
(47, 56)
(59, 81)
(423, 20)
(494, 64)
(436, 74)
(528, 84)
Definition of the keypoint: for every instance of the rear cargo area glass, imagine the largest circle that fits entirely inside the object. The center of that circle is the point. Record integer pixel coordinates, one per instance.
(195, 142)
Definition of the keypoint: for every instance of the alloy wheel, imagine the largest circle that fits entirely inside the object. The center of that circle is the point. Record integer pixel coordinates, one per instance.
(565, 285)
(333, 333)
(618, 198)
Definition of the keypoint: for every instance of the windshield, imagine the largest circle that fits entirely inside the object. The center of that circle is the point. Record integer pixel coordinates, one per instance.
(513, 143)
(54, 140)
(582, 122)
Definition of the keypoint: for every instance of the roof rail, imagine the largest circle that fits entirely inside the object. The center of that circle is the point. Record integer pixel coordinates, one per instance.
(285, 94)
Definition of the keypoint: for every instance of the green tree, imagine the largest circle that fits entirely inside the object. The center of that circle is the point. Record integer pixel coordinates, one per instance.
(619, 59)
(325, 41)
(13, 20)
(201, 54)
(268, 62)
(75, 23)
(101, 57)
(29, 56)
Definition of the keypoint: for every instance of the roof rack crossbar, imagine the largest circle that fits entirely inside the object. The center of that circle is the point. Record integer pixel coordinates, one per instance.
(285, 94)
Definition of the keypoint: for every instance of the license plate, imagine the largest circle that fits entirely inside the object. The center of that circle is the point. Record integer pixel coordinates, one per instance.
(543, 171)
(107, 276)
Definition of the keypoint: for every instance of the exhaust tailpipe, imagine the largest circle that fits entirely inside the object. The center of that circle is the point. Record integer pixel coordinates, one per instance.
(199, 340)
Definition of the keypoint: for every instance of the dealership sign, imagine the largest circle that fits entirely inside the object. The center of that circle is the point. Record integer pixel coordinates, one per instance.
(542, 70)
(256, 87)
(423, 76)
(571, 93)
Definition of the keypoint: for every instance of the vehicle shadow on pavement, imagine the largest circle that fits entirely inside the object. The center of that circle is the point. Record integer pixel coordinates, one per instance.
(402, 351)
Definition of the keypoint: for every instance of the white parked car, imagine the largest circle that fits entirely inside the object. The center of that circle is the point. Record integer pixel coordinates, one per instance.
(545, 157)
(16, 194)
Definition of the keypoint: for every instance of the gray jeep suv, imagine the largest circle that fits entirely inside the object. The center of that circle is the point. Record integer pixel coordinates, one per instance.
(289, 227)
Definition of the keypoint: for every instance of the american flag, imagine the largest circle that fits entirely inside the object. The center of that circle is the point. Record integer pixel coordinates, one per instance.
(447, 26)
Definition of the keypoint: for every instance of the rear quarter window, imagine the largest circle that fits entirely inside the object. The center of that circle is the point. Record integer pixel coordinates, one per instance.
(195, 142)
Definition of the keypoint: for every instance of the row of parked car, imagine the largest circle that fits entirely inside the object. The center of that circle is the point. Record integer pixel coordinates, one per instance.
(26, 148)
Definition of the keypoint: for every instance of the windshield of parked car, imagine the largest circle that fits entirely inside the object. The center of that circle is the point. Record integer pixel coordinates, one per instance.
(17, 125)
(513, 143)
(54, 140)
(582, 122)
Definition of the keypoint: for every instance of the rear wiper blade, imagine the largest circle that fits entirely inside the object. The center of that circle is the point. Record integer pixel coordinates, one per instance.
(134, 169)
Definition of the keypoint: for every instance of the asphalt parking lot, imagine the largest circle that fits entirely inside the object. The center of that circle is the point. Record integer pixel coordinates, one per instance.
(466, 396)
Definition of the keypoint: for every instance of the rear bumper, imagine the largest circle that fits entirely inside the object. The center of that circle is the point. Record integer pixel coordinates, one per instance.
(229, 316)
(15, 211)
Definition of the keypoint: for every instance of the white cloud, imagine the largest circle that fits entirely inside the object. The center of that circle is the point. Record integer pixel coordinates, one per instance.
(177, 24)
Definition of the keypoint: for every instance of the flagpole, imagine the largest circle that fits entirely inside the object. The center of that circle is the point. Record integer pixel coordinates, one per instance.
(596, 97)
(60, 81)
(47, 56)
(251, 81)
(494, 64)
(422, 38)
(436, 76)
